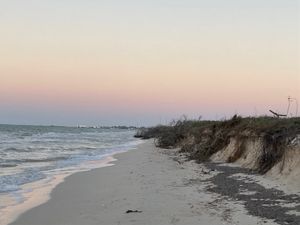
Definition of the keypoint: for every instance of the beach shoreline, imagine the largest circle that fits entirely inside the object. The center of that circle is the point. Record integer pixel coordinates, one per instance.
(146, 185)
(39, 192)
(34, 159)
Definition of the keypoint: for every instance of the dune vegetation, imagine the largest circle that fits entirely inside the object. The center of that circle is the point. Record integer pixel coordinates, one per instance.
(202, 139)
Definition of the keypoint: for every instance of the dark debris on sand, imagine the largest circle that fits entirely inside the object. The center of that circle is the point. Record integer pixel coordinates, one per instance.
(266, 203)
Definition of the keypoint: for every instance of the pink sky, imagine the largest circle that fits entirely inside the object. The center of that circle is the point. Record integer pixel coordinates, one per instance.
(146, 63)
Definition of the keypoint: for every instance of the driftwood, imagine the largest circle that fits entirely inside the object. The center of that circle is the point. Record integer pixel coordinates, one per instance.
(277, 114)
(133, 211)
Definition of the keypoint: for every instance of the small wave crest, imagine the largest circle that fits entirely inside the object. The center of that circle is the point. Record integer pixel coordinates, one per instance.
(31, 160)
(6, 165)
(12, 149)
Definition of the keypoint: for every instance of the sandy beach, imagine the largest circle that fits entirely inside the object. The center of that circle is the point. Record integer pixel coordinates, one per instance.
(150, 112)
(145, 186)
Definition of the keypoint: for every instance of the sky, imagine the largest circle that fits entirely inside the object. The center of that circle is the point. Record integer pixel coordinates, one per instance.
(139, 62)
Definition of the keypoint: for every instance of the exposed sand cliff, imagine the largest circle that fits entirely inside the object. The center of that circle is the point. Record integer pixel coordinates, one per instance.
(269, 146)
(248, 153)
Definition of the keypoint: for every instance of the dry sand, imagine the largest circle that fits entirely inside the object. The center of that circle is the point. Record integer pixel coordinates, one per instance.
(164, 190)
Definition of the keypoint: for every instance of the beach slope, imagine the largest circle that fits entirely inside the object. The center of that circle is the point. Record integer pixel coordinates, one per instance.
(146, 186)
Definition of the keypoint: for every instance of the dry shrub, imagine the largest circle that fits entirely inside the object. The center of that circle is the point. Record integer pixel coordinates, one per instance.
(210, 137)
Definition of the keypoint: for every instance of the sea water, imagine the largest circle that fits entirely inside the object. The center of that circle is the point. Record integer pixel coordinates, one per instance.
(31, 154)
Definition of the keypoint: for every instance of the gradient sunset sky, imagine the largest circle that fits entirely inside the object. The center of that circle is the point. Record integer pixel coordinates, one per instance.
(139, 62)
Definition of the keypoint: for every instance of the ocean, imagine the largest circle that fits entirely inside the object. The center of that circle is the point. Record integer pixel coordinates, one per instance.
(37, 153)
